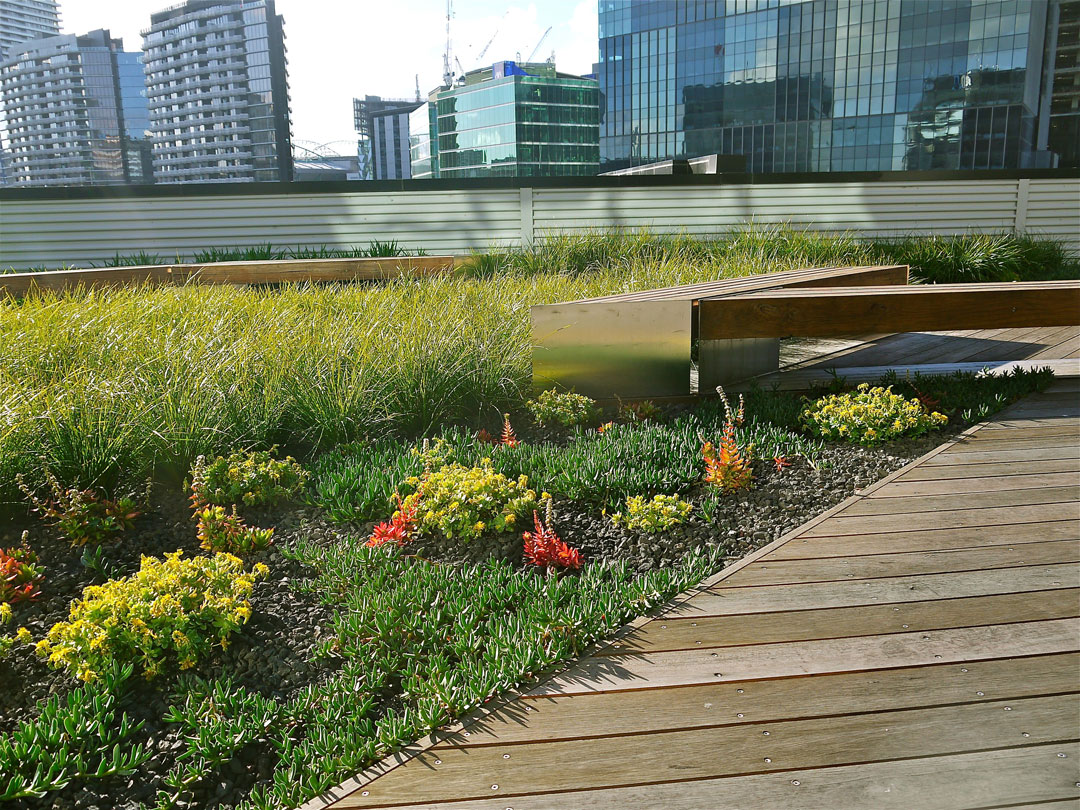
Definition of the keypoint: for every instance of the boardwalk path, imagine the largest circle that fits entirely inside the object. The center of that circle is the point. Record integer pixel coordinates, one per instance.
(916, 647)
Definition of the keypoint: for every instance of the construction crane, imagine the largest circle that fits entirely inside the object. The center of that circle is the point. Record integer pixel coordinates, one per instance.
(480, 55)
(448, 74)
(461, 70)
(538, 44)
(417, 86)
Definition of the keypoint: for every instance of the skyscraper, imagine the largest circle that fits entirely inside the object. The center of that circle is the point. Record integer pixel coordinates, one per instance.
(75, 112)
(22, 20)
(825, 85)
(218, 94)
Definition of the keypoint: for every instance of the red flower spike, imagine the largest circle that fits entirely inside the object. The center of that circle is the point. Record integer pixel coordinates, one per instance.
(509, 438)
(781, 462)
(544, 548)
(486, 438)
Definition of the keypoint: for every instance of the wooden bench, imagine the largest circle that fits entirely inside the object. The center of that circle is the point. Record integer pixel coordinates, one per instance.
(253, 272)
(639, 344)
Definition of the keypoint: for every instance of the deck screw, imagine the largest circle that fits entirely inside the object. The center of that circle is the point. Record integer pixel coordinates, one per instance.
(1024, 734)
(506, 756)
(712, 655)
(980, 694)
(765, 733)
(466, 733)
(740, 691)
(494, 787)
(693, 624)
(438, 762)
(905, 626)
(739, 714)
(963, 669)
(767, 759)
(364, 793)
(1063, 755)
(708, 705)
(795, 782)
(1008, 708)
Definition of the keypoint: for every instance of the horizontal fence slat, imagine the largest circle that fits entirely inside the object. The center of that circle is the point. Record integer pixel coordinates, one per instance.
(37, 232)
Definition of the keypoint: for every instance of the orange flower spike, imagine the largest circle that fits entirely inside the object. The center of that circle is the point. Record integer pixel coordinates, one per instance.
(509, 438)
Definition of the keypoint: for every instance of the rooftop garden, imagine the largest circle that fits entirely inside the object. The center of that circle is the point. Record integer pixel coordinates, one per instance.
(253, 540)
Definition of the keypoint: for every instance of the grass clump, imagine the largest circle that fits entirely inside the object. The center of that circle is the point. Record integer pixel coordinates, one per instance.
(970, 396)
(870, 416)
(252, 478)
(661, 513)
(171, 609)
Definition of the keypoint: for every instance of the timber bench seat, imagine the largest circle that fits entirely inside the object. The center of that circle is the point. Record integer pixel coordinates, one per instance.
(639, 344)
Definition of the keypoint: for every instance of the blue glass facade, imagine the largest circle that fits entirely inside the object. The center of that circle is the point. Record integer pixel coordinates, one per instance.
(823, 85)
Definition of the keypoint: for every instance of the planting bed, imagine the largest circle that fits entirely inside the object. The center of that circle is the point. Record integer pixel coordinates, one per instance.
(301, 667)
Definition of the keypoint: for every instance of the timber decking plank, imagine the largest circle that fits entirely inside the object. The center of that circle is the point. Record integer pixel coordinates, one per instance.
(616, 713)
(1018, 456)
(976, 781)
(802, 548)
(725, 601)
(912, 563)
(984, 444)
(517, 770)
(788, 659)
(691, 632)
(902, 488)
(991, 470)
(949, 518)
(894, 504)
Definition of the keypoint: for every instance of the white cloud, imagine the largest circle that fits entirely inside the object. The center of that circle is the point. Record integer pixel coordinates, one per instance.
(339, 49)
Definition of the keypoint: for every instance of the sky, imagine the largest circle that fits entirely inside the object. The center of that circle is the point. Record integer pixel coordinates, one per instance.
(338, 49)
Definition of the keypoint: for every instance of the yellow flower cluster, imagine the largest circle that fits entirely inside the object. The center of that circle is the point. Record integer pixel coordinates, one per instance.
(656, 515)
(562, 408)
(253, 478)
(169, 608)
(869, 416)
(464, 502)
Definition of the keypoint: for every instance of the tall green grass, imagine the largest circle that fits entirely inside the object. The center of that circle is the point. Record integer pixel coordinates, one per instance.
(106, 388)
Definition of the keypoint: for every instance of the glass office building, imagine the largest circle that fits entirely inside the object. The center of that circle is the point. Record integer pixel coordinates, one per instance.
(514, 120)
(75, 112)
(826, 85)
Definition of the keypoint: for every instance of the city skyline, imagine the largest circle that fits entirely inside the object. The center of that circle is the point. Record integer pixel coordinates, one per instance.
(322, 79)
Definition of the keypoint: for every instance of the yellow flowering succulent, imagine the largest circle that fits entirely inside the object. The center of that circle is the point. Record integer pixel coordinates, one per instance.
(651, 516)
(869, 416)
(464, 502)
(174, 608)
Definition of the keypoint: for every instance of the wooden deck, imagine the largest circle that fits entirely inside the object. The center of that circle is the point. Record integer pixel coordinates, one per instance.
(918, 646)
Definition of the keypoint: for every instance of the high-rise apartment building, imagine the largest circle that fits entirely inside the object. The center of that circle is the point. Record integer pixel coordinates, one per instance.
(825, 85)
(23, 20)
(218, 92)
(515, 120)
(75, 112)
(382, 130)
(1063, 135)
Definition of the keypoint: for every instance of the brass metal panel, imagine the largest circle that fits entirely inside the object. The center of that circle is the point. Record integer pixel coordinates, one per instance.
(722, 362)
(613, 348)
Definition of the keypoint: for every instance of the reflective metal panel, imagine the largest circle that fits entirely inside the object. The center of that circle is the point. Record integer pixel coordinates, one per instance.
(721, 362)
(614, 348)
